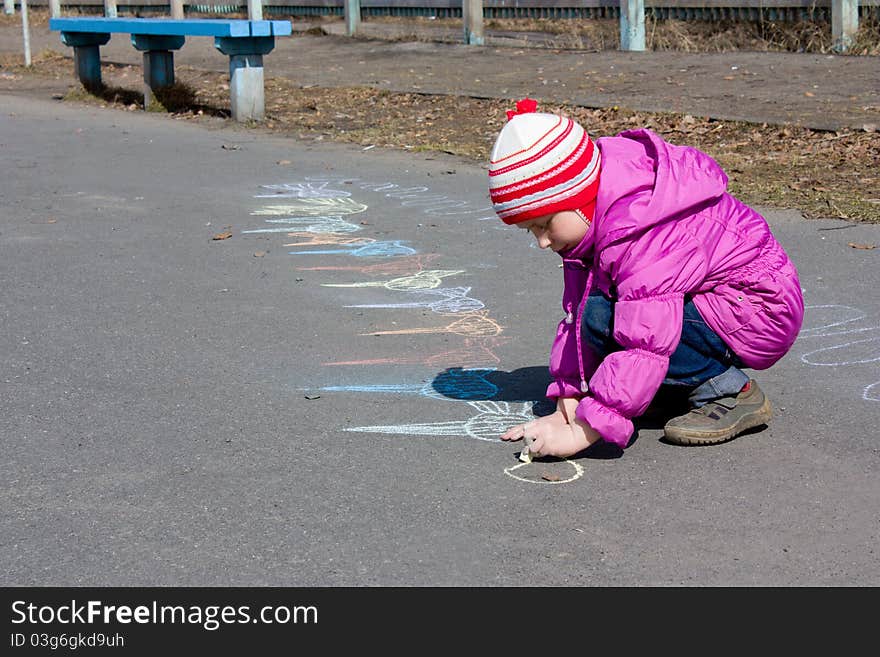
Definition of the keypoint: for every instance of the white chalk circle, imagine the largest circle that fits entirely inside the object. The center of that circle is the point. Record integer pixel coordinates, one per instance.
(577, 467)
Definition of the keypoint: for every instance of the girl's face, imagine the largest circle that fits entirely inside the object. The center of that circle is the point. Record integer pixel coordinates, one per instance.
(560, 232)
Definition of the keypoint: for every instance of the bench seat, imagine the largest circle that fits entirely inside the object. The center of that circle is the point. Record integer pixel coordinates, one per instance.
(214, 27)
(244, 41)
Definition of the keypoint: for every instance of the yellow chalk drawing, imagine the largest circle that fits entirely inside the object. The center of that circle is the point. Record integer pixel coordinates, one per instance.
(400, 265)
(313, 239)
(427, 279)
(578, 473)
(474, 325)
(313, 207)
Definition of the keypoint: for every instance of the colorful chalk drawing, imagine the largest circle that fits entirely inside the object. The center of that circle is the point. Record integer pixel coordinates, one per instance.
(316, 215)
(453, 300)
(414, 197)
(423, 280)
(383, 249)
(474, 353)
(327, 224)
(838, 320)
(314, 207)
(476, 324)
(323, 239)
(402, 265)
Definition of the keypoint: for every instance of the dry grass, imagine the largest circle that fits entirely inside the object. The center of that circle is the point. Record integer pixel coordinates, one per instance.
(822, 174)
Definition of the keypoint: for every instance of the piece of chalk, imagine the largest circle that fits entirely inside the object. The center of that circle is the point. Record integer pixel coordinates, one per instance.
(526, 454)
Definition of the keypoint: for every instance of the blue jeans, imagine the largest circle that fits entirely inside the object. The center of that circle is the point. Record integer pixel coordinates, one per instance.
(702, 361)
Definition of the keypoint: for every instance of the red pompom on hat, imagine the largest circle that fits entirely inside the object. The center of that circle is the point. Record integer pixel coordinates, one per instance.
(541, 164)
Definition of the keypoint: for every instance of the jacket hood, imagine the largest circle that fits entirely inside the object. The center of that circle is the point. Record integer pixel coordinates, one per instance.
(646, 181)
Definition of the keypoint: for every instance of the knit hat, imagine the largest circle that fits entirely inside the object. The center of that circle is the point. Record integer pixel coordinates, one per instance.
(541, 164)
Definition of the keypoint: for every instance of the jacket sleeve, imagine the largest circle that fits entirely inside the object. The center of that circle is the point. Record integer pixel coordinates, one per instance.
(652, 275)
(564, 366)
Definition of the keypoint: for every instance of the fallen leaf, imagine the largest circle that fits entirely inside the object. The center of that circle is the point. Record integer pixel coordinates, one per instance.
(259, 254)
(547, 476)
(283, 161)
(225, 235)
(230, 147)
(857, 245)
(313, 396)
(809, 94)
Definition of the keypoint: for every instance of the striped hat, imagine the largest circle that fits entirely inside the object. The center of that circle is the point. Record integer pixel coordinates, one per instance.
(541, 164)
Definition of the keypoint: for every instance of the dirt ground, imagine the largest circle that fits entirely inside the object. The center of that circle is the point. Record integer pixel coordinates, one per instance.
(832, 174)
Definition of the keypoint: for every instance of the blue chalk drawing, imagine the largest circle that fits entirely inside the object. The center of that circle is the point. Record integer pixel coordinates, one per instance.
(376, 249)
(457, 384)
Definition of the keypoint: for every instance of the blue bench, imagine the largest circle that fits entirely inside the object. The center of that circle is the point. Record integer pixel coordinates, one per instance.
(244, 41)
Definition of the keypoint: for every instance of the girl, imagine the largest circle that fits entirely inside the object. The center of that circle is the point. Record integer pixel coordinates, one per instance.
(668, 280)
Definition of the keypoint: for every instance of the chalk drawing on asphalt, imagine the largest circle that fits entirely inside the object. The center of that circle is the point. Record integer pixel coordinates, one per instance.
(430, 202)
(476, 324)
(577, 473)
(456, 385)
(398, 266)
(303, 190)
(492, 419)
(476, 352)
(313, 207)
(453, 300)
(833, 321)
(381, 249)
(855, 352)
(423, 280)
(821, 319)
(327, 224)
(323, 239)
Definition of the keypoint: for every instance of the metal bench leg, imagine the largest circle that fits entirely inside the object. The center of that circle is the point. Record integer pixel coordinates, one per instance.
(246, 90)
(87, 57)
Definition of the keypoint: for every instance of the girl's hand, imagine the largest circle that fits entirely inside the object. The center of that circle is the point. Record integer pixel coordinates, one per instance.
(561, 440)
(530, 428)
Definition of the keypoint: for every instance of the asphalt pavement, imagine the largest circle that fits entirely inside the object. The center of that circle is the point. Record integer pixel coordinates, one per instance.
(232, 358)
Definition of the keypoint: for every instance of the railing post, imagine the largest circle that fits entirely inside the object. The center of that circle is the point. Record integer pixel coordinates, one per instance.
(54, 8)
(255, 10)
(177, 9)
(632, 25)
(844, 23)
(9, 7)
(352, 16)
(26, 33)
(110, 8)
(472, 17)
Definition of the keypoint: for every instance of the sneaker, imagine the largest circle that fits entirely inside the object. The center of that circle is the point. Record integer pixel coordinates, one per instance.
(721, 419)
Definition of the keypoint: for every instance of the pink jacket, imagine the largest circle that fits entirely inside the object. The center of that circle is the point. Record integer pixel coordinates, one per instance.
(665, 227)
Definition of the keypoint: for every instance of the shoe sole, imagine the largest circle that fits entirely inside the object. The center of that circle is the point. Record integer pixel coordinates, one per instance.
(748, 421)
